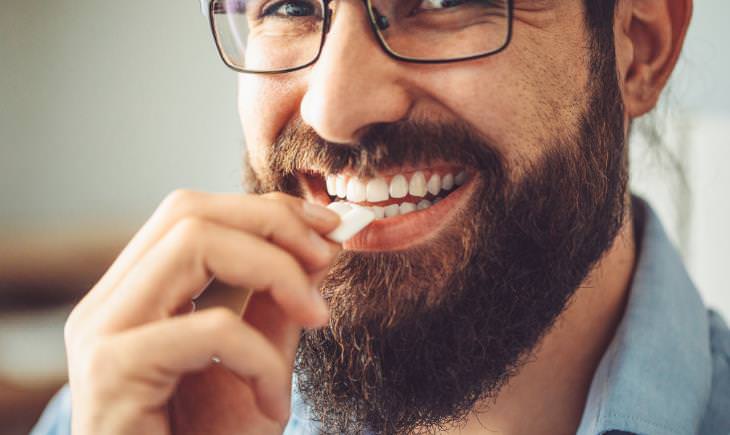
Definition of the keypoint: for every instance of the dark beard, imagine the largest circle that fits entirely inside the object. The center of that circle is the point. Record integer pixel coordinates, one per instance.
(418, 337)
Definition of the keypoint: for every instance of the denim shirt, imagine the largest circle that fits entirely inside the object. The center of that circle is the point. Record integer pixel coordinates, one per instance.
(665, 372)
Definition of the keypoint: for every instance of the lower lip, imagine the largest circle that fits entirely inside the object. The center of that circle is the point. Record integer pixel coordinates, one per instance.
(404, 231)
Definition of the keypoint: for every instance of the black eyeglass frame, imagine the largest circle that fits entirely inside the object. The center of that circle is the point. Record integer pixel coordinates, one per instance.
(379, 36)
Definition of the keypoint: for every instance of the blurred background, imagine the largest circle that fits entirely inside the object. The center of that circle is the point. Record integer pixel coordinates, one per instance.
(107, 106)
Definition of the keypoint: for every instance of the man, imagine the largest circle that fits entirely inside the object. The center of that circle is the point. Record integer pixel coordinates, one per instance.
(511, 285)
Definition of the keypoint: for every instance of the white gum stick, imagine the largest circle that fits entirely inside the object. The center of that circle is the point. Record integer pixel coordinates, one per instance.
(353, 220)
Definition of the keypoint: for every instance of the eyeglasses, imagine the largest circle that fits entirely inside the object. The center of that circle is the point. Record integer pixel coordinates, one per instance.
(278, 36)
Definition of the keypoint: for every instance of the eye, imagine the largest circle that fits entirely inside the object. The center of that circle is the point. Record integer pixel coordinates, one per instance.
(441, 4)
(290, 9)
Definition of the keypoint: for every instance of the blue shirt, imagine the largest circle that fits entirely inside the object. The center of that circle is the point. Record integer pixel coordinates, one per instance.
(665, 372)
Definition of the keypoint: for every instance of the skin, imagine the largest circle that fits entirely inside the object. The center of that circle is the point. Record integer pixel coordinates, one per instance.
(137, 366)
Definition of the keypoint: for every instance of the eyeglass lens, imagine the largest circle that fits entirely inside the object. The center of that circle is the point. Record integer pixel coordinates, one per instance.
(274, 35)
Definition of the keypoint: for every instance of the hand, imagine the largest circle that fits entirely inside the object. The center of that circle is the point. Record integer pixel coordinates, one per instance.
(129, 348)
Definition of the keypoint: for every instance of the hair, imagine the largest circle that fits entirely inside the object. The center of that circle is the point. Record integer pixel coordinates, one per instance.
(600, 11)
(600, 18)
(656, 157)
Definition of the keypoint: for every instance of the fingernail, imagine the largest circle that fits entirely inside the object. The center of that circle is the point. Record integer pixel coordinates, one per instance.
(321, 246)
(318, 212)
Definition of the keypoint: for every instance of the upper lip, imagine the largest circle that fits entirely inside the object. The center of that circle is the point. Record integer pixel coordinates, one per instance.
(387, 172)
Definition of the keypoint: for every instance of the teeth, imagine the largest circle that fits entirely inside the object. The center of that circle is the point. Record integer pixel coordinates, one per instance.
(355, 190)
(392, 210)
(343, 207)
(332, 185)
(447, 182)
(398, 186)
(434, 184)
(417, 186)
(407, 207)
(377, 190)
(460, 178)
(341, 186)
(379, 211)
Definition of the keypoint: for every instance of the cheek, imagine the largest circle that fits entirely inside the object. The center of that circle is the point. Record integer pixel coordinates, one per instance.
(265, 105)
(503, 104)
(520, 103)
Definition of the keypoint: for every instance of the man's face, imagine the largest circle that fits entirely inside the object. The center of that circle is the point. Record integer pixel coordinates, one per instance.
(518, 100)
(431, 318)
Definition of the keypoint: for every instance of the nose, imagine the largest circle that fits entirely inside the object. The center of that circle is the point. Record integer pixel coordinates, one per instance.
(353, 84)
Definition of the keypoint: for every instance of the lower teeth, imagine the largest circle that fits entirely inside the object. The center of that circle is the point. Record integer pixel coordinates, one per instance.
(382, 212)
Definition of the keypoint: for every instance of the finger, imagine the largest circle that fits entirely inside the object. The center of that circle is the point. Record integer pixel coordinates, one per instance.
(161, 352)
(182, 263)
(186, 308)
(273, 219)
(267, 316)
(322, 219)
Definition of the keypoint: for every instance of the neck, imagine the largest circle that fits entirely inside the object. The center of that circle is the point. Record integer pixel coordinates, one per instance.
(549, 392)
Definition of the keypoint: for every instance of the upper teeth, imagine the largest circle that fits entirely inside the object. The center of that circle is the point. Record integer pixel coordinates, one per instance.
(379, 189)
(398, 186)
(340, 186)
(434, 184)
(417, 186)
(355, 190)
(447, 182)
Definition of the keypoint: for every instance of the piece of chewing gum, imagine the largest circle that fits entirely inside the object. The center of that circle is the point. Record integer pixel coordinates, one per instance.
(353, 219)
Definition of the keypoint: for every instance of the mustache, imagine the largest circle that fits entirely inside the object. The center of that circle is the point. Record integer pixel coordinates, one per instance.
(382, 146)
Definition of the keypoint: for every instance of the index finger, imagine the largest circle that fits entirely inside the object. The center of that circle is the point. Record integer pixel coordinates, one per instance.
(282, 219)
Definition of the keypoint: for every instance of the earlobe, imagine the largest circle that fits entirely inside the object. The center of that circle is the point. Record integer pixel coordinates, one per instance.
(655, 30)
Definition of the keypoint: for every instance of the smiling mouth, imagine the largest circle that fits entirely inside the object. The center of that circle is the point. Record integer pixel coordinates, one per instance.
(411, 204)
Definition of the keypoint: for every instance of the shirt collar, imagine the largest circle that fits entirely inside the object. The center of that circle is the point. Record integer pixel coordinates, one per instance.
(655, 375)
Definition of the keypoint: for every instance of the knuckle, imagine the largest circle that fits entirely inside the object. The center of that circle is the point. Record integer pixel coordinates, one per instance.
(74, 328)
(188, 236)
(177, 202)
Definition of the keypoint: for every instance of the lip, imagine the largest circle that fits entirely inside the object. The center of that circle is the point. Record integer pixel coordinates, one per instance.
(407, 170)
(403, 231)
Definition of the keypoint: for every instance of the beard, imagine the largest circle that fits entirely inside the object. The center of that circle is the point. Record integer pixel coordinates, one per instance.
(419, 337)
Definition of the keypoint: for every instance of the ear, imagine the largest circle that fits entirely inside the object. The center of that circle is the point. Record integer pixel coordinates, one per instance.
(649, 35)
